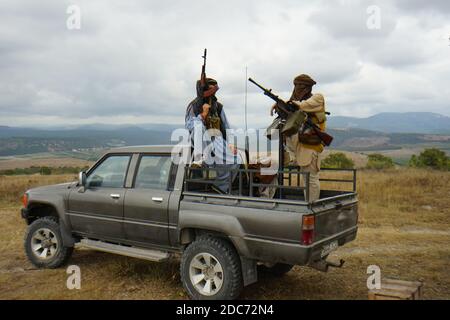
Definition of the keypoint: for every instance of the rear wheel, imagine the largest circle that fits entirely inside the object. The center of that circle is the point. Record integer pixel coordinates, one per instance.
(43, 244)
(211, 270)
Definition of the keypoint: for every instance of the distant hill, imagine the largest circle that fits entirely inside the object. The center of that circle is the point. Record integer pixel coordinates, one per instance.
(385, 131)
(366, 140)
(410, 122)
(145, 126)
(19, 141)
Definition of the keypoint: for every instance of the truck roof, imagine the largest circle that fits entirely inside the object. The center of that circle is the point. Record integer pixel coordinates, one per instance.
(144, 149)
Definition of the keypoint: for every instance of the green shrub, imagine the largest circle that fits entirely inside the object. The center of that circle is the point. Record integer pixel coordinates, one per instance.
(431, 158)
(46, 171)
(42, 171)
(378, 161)
(338, 161)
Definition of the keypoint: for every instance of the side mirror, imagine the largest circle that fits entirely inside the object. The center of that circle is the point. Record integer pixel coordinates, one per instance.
(82, 179)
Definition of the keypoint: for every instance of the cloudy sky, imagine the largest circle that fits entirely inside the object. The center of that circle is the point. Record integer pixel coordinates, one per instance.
(137, 61)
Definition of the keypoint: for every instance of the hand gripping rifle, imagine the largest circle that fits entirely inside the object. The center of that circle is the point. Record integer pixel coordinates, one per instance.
(286, 109)
(205, 92)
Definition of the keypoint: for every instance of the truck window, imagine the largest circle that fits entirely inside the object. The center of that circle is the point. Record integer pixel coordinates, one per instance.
(153, 172)
(110, 173)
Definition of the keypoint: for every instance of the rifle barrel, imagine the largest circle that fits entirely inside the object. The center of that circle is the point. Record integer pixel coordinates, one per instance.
(257, 84)
(252, 81)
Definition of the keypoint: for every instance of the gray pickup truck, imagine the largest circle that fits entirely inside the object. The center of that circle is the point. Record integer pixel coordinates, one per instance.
(136, 202)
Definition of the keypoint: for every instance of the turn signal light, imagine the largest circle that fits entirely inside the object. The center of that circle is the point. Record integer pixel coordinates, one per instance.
(25, 200)
(308, 229)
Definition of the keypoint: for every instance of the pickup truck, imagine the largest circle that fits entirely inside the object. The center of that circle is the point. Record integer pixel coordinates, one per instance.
(135, 201)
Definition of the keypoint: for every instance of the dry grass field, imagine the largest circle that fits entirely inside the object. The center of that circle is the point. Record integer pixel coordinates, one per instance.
(404, 228)
(23, 162)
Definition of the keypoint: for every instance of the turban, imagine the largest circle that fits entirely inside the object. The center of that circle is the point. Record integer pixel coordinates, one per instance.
(304, 79)
(206, 92)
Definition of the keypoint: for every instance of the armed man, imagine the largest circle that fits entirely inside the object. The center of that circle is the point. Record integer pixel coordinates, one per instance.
(206, 114)
(209, 118)
(207, 109)
(305, 147)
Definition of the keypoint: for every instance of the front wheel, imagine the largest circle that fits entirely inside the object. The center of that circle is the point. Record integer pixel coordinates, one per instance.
(43, 244)
(211, 270)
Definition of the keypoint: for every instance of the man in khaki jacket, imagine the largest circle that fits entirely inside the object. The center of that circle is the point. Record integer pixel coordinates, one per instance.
(307, 156)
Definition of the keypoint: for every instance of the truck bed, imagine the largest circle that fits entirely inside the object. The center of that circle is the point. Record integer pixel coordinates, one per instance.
(270, 229)
(288, 187)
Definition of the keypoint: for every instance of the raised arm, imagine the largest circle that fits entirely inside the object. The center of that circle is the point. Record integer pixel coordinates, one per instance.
(314, 104)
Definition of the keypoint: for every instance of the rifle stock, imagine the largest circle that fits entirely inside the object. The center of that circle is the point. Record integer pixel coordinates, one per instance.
(323, 136)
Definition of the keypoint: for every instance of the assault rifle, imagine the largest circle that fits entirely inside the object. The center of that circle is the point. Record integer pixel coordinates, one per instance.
(203, 74)
(206, 91)
(286, 109)
(283, 109)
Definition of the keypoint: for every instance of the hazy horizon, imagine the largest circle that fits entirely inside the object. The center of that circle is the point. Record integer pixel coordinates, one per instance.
(169, 126)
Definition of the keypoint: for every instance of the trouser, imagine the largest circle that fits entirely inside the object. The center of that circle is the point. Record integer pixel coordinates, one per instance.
(314, 183)
(309, 161)
(269, 192)
(223, 173)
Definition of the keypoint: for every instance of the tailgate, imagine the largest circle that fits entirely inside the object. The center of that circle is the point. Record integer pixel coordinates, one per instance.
(334, 217)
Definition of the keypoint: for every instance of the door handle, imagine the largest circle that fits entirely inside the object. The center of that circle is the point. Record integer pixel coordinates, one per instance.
(157, 199)
(115, 195)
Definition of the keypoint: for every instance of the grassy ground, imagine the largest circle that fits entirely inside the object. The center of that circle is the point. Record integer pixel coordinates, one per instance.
(404, 229)
(23, 162)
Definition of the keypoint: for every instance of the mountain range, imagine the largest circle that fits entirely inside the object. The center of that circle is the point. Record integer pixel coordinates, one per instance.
(411, 122)
(384, 131)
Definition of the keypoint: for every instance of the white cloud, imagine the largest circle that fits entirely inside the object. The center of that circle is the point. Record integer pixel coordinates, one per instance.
(137, 61)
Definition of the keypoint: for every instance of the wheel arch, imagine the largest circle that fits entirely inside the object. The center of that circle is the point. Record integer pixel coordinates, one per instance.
(37, 210)
(193, 223)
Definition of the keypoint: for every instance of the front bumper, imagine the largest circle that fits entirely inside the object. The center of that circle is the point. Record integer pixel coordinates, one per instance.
(24, 213)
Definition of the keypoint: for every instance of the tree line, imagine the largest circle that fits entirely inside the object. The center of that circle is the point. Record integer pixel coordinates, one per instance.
(432, 158)
(42, 170)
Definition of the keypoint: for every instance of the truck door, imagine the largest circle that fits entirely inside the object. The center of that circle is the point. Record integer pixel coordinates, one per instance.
(146, 203)
(98, 211)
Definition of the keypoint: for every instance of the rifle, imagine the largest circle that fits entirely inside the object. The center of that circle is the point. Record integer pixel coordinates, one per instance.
(203, 86)
(206, 91)
(324, 137)
(203, 74)
(285, 110)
